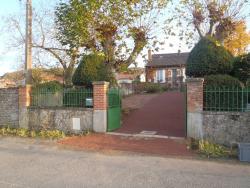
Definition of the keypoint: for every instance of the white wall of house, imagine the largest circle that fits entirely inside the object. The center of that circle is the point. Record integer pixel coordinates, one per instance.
(143, 77)
(160, 74)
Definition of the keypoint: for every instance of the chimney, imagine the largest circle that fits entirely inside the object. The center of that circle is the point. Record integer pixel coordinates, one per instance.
(149, 55)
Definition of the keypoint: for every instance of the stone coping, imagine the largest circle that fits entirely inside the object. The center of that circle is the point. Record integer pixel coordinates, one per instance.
(224, 113)
(194, 79)
(60, 108)
(9, 88)
(100, 83)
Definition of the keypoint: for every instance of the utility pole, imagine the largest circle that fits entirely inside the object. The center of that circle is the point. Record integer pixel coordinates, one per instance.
(28, 44)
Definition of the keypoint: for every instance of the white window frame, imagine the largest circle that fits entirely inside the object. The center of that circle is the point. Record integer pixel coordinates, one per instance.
(161, 75)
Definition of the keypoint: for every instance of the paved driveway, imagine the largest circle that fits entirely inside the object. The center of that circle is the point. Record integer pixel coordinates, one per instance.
(29, 164)
(163, 114)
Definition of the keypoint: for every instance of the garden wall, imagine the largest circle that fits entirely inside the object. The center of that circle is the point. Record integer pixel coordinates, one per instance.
(217, 126)
(9, 107)
(60, 118)
(226, 127)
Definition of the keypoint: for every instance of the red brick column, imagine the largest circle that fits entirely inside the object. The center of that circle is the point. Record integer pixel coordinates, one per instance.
(195, 94)
(24, 96)
(195, 107)
(100, 95)
(24, 102)
(100, 90)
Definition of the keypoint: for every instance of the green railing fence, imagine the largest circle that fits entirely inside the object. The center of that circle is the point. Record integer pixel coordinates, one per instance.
(226, 99)
(67, 97)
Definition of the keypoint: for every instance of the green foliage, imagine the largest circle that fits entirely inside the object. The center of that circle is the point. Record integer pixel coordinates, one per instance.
(25, 133)
(148, 87)
(207, 58)
(224, 93)
(241, 68)
(222, 81)
(248, 83)
(92, 68)
(107, 26)
(76, 97)
(52, 86)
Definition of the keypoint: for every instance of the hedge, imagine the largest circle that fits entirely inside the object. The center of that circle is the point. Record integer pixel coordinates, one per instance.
(208, 58)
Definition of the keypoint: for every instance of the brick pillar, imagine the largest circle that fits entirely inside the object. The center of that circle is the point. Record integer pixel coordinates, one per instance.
(24, 103)
(195, 94)
(195, 107)
(100, 106)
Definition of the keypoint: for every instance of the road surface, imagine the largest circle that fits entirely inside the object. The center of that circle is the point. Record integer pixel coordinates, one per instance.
(29, 163)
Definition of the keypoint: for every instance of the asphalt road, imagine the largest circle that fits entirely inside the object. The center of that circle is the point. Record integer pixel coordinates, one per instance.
(28, 163)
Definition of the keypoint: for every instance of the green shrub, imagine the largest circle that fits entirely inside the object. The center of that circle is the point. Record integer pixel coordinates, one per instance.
(147, 87)
(92, 68)
(224, 93)
(76, 97)
(152, 88)
(222, 81)
(248, 83)
(207, 58)
(241, 68)
(52, 86)
(47, 94)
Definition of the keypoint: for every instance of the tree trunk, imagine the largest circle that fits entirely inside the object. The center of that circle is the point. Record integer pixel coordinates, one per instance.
(68, 74)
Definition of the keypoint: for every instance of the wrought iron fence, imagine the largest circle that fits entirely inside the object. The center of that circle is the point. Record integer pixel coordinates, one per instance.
(226, 99)
(67, 97)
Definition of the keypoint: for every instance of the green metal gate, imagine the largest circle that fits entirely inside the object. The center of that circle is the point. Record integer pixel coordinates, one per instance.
(114, 109)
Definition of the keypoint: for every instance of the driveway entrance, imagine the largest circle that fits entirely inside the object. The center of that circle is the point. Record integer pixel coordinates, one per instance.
(162, 115)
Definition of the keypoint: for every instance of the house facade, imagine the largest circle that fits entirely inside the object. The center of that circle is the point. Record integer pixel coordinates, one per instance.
(166, 68)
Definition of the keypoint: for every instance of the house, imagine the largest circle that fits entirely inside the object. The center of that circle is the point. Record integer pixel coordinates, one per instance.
(15, 79)
(133, 74)
(166, 68)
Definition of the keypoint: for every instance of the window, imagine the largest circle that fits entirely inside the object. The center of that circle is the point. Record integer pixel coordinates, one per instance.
(160, 75)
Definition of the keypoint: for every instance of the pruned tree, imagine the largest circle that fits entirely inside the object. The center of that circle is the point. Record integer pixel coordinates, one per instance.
(119, 29)
(194, 19)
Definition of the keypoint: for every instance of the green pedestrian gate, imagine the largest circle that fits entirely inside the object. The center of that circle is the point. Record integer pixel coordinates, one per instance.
(114, 109)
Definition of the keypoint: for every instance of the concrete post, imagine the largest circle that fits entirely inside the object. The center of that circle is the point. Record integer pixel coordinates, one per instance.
(100, 106)
(24, 103)
(194, 107)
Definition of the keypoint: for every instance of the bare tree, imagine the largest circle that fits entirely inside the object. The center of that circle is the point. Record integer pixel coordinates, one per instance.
(47, 51)
(194, 19)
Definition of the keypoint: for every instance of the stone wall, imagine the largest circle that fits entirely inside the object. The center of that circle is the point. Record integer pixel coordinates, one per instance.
(219, 127)
(226, 127)
(60, 118)
(9, 107)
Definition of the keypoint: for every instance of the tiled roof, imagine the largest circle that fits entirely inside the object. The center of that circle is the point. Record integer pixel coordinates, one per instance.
(168, 59)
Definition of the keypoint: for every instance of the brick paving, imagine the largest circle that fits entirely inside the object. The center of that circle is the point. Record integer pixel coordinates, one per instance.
(164, 114)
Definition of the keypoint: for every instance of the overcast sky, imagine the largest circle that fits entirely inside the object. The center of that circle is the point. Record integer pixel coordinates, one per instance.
(9, 59)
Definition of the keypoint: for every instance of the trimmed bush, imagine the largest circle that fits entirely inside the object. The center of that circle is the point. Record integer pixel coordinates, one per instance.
(222, 81)
(146, 87)
(76, 97)
(224, 93)
(52, 86)
(208, 58)
(241, 68)
(92, 68)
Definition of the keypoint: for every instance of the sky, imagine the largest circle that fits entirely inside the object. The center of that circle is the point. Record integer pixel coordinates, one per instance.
(9, 58)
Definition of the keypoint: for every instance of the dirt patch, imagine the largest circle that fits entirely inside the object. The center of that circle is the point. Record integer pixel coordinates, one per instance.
(103, 142)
